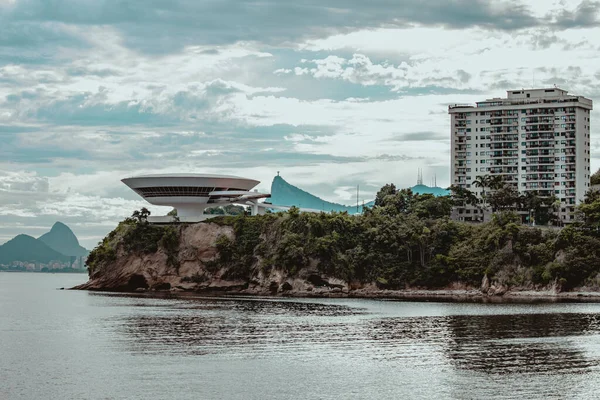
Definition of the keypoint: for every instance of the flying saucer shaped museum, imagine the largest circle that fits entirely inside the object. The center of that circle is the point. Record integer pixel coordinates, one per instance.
(190, 194)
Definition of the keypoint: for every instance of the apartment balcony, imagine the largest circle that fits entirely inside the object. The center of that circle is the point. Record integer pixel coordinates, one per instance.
(505, 155)
(539, 152)
(545, 136)
(539, 161)
(504, 141)
(544, 111)
(503, 170)
(538, 145)
(503, 163)
(547, 188)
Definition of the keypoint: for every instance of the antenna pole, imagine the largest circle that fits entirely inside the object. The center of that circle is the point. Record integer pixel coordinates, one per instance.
(357, 188)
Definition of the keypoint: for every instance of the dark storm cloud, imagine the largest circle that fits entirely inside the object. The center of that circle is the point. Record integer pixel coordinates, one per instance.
(165, 26)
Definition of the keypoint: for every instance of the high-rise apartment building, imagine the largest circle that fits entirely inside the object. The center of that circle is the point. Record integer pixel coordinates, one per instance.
(537, 140)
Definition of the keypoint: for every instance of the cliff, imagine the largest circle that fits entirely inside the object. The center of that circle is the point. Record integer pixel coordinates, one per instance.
(194, 266)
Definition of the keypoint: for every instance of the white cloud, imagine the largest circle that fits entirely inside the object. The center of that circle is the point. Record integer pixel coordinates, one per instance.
(367, 107)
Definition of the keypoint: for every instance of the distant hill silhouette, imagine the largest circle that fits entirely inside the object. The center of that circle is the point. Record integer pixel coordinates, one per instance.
(436, 191)
(30, 249)
(60, 244)
(286, 194)
(62, 239)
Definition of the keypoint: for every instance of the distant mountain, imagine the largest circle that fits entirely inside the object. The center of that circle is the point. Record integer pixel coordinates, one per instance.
(30, 249)
(286, 194)
(62, 239)
(436, 191)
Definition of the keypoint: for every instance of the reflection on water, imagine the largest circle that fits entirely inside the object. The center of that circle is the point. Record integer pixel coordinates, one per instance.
(535, 343)
(74, 345)
(239, 328)
(522, 343)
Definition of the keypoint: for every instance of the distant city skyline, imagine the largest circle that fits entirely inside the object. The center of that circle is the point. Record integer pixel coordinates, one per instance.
(331, 94)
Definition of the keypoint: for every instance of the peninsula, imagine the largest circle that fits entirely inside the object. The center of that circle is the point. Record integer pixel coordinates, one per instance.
(404, 246)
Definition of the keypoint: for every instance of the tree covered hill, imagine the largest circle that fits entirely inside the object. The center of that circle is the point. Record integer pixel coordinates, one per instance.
(405, 240)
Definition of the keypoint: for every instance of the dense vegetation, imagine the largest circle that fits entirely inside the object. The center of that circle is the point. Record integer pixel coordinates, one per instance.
(136, 236)
(405, 240)
(408, 240)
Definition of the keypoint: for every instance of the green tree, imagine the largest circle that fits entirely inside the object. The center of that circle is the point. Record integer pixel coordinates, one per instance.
(462, 197)
(589, 210)
(595, 178)
(505, 198)
(388, 190)
(142, 215)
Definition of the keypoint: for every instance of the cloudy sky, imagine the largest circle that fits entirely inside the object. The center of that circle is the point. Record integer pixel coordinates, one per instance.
(332, 93)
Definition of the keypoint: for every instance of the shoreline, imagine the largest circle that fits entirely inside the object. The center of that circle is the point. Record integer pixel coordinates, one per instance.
(444, 295)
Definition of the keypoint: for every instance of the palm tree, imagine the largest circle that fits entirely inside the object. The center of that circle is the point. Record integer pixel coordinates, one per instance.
(482, 181)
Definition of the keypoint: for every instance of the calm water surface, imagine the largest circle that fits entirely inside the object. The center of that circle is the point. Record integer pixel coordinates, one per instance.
(78, 345)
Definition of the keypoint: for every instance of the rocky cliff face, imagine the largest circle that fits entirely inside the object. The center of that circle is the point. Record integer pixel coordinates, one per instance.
(194, 270)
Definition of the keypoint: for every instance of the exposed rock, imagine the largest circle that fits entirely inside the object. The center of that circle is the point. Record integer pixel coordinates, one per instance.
(273, 287)
(485, 284)
(162, 286)
(222, 285)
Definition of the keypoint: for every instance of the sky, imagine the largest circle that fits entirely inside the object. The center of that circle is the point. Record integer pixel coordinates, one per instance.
(331, 93)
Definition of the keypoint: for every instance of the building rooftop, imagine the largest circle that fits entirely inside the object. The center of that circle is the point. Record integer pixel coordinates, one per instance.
(528, 97)
(188, 175)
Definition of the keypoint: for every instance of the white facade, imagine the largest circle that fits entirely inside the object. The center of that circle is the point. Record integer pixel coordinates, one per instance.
(537, 140)
(191, 194)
